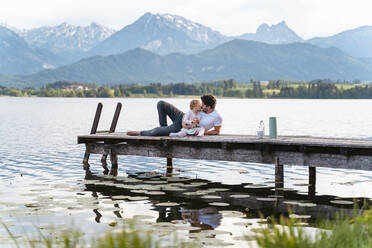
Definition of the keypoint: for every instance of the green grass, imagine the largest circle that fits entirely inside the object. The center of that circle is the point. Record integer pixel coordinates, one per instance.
(342, 232)
(126, 236)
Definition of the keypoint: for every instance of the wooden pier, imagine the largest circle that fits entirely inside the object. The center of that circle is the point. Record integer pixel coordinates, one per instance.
(289, 150)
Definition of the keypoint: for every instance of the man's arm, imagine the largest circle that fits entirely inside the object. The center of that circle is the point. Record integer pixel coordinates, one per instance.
(214, 131)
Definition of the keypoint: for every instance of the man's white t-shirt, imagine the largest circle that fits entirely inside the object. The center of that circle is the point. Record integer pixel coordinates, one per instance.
(207, 121)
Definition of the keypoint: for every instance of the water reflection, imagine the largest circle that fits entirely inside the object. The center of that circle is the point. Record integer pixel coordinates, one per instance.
(197, 200)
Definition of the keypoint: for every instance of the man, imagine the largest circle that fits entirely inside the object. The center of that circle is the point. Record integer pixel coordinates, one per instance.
(210, 120)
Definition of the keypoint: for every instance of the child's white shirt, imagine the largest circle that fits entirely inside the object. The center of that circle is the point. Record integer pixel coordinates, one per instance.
(189, 117)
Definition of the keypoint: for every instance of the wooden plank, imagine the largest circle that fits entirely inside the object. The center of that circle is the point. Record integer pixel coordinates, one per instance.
(233, 139)
(169, 150)
(307, 146)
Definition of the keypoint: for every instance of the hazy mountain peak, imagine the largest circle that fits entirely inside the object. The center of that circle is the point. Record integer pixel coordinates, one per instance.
(275, 34)
(273, 28)
(10, 27)
(263, 28)
(66, 37)
(163, 34)
(356, 42)
(16, 55)
(64, 24)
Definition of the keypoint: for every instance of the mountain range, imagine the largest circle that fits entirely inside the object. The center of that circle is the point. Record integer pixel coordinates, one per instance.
(356, 42)
(162, 34)
(275, 34)
(15, 53)
(67, 46)
(238, 59)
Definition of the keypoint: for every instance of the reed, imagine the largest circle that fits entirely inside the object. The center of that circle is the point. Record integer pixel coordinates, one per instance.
(342, 232)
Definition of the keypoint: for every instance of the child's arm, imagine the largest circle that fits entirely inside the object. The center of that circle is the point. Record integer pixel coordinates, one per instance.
(186, 122)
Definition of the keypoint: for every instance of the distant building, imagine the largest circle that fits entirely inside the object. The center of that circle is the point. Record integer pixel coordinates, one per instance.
(76, 87)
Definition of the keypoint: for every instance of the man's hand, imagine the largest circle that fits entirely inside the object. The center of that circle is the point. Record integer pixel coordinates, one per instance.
(214, 131)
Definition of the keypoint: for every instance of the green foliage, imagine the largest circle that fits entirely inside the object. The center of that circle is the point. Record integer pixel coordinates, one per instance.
(284, 235)
(127, 236)
(342, 232)
(317, 89)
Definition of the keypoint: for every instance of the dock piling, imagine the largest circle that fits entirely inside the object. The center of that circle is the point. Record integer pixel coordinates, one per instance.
(169, 166)
(104, 163)
(279, 176)
(114, 163)
(312, 181)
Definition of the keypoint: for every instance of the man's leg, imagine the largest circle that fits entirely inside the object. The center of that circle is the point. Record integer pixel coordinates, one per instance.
(166, 109)
(163, 131)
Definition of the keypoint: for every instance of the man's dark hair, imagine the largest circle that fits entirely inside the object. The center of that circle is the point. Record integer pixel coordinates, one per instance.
(209, 100)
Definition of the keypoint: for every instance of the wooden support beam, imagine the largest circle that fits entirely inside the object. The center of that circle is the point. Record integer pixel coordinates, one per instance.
(303, 151)
(312, 182)
(104, 163)
(114, 163)
(169, 166)
(279, 177)
(86, 160)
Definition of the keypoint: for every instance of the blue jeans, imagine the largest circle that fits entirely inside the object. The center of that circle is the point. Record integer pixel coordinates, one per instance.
(166, 109)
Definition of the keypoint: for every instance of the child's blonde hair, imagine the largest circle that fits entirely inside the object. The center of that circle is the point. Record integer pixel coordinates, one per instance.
(193, 103)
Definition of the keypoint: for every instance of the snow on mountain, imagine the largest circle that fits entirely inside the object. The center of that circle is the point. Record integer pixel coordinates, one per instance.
(194, 30)
(162, 34)
(275, 34)
(66, 37)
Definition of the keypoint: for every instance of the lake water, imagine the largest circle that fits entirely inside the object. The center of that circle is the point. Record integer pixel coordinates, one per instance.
(43, 183)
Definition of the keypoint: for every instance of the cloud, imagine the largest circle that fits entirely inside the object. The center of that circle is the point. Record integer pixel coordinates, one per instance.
(307, 17)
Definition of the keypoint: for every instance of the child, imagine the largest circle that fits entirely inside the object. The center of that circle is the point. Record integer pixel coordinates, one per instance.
(191, 119)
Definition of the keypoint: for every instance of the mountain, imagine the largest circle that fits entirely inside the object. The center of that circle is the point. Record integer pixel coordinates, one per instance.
(356, 42)
(69, 43)
(238, 59)
(162, 34)
(17, 57)
(275, 34)
(66, 37)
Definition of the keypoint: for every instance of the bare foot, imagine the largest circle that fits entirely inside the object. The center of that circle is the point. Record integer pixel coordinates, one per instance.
(133, 133)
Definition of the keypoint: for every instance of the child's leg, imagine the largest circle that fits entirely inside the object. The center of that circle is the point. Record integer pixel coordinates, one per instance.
(182, 133)
(179, 134)
(201, 132)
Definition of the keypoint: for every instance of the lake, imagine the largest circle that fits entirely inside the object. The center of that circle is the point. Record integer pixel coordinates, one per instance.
(43, 183)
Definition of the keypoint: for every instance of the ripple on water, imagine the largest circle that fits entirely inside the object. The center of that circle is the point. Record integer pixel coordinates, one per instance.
(42, 179)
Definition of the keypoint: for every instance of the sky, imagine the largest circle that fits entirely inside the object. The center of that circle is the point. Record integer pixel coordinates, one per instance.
(308, 18)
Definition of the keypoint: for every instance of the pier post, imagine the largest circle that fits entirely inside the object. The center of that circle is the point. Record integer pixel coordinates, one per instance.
(279, 177)
(104, 163)
(312, 181)
(169, 166)
(92, 131)
(114, 163)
